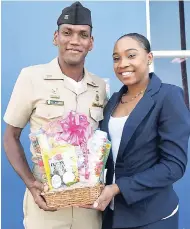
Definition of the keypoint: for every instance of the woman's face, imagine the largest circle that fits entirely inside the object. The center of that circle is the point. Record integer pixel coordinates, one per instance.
(131, 61)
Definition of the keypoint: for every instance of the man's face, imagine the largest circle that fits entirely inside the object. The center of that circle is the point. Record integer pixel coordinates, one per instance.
(74, 42)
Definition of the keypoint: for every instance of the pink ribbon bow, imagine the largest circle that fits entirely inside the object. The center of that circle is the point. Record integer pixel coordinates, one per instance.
(75, 129)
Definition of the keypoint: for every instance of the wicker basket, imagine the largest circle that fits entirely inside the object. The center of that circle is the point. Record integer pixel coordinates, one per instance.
(73, 197)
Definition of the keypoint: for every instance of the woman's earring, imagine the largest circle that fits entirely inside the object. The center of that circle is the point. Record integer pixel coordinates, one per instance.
(149, 63)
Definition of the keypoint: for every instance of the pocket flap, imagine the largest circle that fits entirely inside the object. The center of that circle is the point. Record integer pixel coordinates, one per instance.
(96, 113)
(49, 111)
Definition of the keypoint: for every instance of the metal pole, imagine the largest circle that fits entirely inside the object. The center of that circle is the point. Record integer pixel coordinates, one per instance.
(151, 67)
(183, 47)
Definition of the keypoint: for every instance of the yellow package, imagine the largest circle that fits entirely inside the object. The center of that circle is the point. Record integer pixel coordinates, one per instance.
(60, 165)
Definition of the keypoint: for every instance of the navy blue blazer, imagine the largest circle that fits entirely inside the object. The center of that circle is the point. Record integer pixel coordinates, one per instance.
(152, 154)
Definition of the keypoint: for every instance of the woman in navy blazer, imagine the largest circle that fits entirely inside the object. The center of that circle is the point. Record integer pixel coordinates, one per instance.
(148, 124)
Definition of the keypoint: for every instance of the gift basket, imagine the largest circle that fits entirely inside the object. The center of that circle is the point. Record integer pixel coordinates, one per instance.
(71, 157)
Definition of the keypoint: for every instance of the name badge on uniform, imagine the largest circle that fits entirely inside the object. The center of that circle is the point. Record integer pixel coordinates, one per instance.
(55, 102)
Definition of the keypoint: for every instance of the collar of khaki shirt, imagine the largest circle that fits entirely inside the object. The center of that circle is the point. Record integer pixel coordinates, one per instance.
(54, 73)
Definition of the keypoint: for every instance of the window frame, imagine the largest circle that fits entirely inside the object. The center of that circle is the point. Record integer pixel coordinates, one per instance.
(166, 53)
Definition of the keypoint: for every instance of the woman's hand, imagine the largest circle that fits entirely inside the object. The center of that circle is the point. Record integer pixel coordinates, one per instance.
(106, 196)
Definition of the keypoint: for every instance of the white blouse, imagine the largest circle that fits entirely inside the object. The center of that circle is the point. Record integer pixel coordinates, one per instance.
(116, 125)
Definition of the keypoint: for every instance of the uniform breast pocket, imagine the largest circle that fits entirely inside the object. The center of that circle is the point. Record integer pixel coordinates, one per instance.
(96, 113)
(49, 111)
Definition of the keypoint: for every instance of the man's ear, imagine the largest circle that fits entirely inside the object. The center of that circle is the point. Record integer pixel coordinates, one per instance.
(55, 38)
(91, 43)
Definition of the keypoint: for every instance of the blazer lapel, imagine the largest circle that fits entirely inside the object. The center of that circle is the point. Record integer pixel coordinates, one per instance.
(140, 112)
(134, 119)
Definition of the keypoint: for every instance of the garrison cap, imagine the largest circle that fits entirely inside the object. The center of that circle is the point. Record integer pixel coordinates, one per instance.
(76, 14)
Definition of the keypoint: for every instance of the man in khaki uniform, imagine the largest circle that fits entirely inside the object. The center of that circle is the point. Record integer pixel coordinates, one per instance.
(45, 92)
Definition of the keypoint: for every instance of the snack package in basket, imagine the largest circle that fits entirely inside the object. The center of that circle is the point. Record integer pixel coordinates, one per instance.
(72, 160)
(61, 166)
(99, 148)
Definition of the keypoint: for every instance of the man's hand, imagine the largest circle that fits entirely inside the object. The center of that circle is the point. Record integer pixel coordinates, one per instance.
(36, 188)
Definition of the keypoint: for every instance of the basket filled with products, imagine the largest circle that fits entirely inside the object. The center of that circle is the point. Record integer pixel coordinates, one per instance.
(71, 158)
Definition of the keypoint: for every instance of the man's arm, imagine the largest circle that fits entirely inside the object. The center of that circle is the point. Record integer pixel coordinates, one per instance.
(16, 156)
(17, 116)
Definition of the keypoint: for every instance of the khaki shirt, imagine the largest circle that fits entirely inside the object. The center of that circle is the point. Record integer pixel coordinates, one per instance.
(38, 87)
